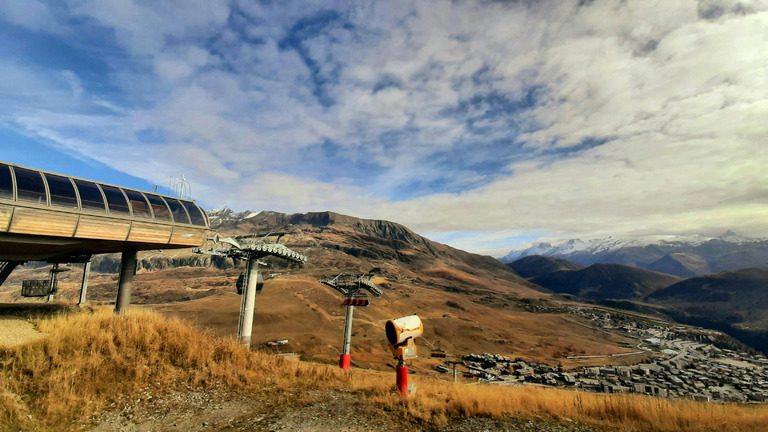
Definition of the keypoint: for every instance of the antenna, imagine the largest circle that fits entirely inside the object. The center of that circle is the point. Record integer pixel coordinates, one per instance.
(180, 187)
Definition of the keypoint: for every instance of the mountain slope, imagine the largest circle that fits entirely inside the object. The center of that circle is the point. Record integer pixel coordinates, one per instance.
(536, 266)
(378, 241)
(468, 302)
(606, 281)
(734, 301)
(680, 264)
(734, 296)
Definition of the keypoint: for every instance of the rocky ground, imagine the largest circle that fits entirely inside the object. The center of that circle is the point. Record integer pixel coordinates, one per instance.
(333, 410)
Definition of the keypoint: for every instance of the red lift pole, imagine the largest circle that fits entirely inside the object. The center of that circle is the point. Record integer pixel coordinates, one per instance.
(350, 285)
(346, 358)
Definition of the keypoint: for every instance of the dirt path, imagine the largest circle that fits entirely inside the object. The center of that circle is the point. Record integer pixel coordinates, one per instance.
(209, 410)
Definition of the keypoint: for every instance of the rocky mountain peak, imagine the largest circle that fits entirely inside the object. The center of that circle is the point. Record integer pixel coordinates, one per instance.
(732, 237)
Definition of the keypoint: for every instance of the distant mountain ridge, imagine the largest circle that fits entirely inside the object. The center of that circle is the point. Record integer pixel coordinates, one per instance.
(735, 302)
(361, 238)
(682, 256)
(596, 282)
(536, 266)
(607, 281)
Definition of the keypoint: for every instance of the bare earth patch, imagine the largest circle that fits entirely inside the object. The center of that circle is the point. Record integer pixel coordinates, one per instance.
(16, 331)
(199, 410)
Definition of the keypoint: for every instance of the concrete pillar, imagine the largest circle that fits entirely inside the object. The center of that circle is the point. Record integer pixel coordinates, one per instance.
(52, 281)
(249, 301)
(346, 358)
(84, 284)
(125, 283)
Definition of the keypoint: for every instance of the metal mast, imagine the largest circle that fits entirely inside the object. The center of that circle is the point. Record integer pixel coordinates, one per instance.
(251, 281)
(350, 286)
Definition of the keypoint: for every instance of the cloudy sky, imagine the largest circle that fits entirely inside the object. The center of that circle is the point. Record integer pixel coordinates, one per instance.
(482, 124)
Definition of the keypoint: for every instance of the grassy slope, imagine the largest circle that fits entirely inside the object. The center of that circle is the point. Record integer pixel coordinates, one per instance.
(88, 360)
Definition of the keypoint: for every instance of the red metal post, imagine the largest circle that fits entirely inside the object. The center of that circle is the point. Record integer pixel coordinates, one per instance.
(345, 361)
(402, 378)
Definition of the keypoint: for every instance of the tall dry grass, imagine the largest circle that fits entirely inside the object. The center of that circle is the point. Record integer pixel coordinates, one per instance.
(437, 402)
(88, 360)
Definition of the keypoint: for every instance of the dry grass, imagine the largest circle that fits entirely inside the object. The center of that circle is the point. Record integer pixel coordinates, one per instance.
(89, 360)
(452, 274)
(437, 402)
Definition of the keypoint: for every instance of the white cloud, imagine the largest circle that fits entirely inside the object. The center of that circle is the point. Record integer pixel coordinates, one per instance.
(675, 91)
(32, 14)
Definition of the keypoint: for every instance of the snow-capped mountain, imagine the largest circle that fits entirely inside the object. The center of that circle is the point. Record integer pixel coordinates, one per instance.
(610, 244)
(680, 255)
(218, 216)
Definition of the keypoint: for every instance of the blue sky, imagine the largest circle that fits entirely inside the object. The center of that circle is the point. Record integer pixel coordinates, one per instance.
(486, 125)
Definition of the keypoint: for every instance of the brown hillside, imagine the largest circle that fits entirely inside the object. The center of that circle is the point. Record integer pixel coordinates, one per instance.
(469, 303)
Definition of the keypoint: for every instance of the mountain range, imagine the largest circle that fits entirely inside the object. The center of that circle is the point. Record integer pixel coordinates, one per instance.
(682, 256)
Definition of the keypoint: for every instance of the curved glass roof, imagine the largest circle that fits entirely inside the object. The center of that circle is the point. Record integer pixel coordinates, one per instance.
(28, 185)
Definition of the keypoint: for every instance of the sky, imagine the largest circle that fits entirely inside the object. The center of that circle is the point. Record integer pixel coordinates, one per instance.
(486, 125)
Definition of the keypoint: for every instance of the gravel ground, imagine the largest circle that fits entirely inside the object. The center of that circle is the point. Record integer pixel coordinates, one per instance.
(16, 331)
(210, 410)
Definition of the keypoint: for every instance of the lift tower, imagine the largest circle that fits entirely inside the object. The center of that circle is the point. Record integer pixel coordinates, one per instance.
(250, 250)
(351, 286)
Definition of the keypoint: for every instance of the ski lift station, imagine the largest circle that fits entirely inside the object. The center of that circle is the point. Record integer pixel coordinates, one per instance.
(56, 218)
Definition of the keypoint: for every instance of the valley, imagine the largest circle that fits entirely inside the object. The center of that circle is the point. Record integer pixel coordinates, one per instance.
(734, 302)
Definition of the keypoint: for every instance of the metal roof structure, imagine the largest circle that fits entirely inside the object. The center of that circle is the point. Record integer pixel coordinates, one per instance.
(55, 217)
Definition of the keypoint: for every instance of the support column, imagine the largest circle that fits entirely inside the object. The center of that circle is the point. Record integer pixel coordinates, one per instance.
(84, 284)
(125, 283)
(249, 301)
(346, 358)
(52, 281)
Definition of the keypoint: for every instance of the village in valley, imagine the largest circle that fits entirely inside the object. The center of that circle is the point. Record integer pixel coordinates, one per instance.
(684, 362)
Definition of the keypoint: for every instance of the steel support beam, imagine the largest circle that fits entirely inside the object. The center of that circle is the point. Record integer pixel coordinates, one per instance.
(7, 268)
(84, 284)
(249, 301)
(125, 283)
(346, 349)
(52, 281)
